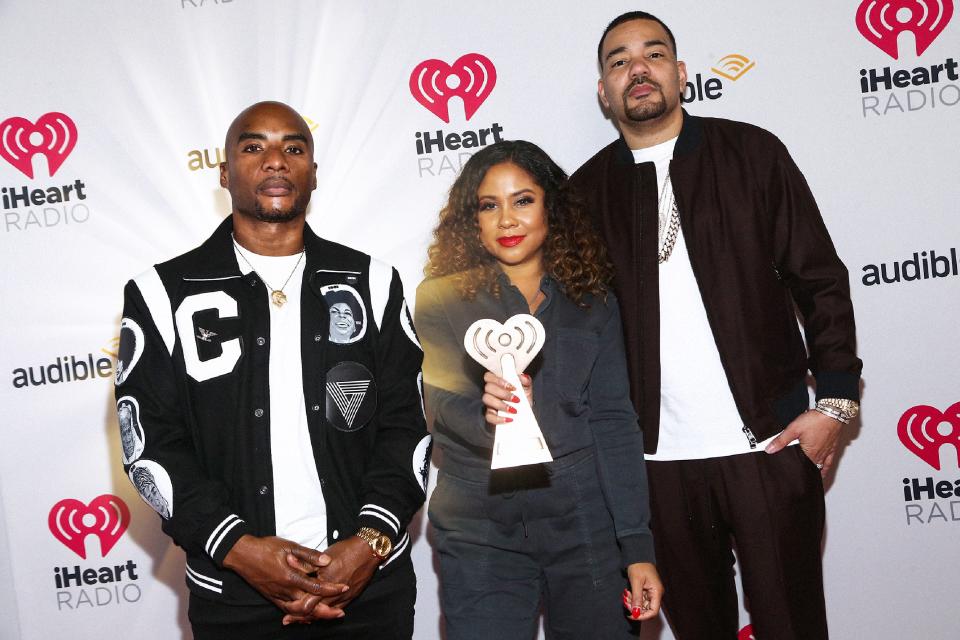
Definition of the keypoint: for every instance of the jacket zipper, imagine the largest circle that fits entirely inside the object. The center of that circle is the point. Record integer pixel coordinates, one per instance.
(706, 308)
(751, 439)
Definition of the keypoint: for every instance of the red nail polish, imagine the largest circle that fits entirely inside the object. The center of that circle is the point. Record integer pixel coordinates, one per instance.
(511, 410)
(636, 612)
(514, 399)
(506, 420)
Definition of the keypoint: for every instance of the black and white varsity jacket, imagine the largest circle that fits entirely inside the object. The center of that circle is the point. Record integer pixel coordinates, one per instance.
(193, 402)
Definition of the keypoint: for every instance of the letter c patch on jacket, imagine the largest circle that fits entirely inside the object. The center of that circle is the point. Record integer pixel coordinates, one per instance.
(351, 396)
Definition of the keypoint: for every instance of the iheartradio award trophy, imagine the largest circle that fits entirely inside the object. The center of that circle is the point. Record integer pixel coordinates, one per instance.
(506, 349)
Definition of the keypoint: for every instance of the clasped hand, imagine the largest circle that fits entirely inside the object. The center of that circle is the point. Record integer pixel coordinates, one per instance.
(305, 584)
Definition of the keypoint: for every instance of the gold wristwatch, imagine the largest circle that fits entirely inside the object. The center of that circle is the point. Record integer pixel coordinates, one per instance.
(841, 409)
(379, 543)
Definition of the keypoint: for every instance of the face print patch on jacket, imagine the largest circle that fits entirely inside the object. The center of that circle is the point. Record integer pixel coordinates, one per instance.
(351, 396)
(348, 318)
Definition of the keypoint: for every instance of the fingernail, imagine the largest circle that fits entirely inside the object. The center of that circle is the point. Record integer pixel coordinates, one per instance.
(511, 410)
(506, 420)
(514, 399)
(626, 592)
(636, 612)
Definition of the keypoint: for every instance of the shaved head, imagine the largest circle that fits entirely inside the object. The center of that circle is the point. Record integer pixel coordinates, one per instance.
(269, 168)
(241, 124)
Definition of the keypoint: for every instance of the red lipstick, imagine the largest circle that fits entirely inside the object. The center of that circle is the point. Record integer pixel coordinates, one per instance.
(510, 241)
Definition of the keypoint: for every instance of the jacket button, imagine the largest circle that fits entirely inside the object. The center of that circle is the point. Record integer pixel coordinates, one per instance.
(253, 282)
(323, 483)
(261, 341)
(264, 490)
(336, 534)
(258, 413)
(316, 407)
(317, 338)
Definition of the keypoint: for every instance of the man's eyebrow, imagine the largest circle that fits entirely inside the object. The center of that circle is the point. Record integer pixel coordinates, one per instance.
(614, 52)
(250, 135)
(648, 43)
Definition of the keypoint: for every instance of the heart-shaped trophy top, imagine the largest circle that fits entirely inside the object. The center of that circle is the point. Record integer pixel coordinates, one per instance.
(521, 336)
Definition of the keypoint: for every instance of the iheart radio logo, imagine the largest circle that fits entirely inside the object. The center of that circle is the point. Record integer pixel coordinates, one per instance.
(924, 429)
(746, 633)
(882, 21)
(472, 78)
(106, 517)
(54, 135)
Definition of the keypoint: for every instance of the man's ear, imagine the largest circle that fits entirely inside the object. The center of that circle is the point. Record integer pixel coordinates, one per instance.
(224, 175)
(313, 181)
(682, 71)
(602, 94)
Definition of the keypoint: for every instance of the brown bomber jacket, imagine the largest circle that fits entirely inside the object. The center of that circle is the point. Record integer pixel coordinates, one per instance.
(760, 253)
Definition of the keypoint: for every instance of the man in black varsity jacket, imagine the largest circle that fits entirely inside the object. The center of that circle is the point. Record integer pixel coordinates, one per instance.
(285, 463)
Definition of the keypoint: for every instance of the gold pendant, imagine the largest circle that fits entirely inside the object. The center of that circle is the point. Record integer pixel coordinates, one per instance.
(278, 297)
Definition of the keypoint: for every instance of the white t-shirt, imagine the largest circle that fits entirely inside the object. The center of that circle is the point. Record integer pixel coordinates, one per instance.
(300, 511)
(698, 417)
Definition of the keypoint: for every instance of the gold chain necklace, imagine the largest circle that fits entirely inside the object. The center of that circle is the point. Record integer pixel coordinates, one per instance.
(276, 295)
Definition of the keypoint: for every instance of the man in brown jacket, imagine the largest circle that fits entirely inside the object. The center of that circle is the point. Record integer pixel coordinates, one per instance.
(718, 243)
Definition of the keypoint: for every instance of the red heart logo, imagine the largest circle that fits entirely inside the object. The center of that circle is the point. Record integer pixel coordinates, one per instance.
(746, 633)
(924, 429)
(472, 78)
(54, 135)
(71, 521)
(882, 21)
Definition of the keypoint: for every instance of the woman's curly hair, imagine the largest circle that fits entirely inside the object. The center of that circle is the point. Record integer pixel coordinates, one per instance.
(572, 254)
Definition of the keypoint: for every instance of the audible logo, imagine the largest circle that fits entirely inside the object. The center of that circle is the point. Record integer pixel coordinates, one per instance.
(53, 136)
(433, 83)
(732, 67)
(67, 369)
(922, 265)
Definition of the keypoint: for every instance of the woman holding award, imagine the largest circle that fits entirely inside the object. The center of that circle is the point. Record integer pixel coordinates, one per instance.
(571, 534)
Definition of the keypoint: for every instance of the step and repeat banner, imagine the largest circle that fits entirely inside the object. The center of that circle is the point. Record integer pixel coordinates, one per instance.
(112, 118)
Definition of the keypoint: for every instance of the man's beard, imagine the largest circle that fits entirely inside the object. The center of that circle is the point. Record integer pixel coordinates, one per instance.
(646, 110)
(278, 215)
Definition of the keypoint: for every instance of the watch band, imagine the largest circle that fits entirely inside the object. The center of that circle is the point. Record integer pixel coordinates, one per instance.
(842, 409)
(379, 543)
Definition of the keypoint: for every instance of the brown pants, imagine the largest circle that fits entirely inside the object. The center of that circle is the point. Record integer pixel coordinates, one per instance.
(770, 509)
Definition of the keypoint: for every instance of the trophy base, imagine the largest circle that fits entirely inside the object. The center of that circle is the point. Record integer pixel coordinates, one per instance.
(517, 450)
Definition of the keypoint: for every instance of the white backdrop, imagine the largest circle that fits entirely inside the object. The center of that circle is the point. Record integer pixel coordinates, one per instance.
(150, 88)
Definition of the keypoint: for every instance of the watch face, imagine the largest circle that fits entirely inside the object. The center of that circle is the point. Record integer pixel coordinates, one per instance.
(382, 546)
